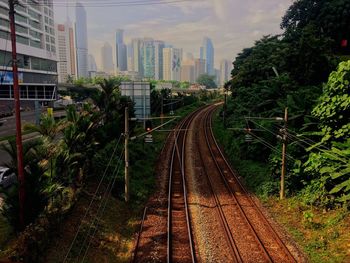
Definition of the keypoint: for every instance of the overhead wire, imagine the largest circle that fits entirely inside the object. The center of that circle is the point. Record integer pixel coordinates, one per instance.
(100, 210)
(109, 4)
(92, 200)
(267, 144)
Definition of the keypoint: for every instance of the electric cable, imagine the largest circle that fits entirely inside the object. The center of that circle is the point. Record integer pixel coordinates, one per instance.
(110, 4)
(92, 200)
(103, 201)
(267, 144)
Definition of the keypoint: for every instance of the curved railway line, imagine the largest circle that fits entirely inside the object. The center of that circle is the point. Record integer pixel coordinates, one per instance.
(248, 234)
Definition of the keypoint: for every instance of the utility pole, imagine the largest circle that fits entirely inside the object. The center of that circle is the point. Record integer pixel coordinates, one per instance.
(161, 109)
(126, 142)
(19, 146)
(225, 107)
(284, 149)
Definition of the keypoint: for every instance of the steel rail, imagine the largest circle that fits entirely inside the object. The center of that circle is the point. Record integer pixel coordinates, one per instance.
(245, 217)
(223, 220)
(242, 188)
(177, 134)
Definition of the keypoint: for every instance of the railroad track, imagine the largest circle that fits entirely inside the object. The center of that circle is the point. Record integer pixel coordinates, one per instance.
(264, 244)
(180, 246)
(239, 221)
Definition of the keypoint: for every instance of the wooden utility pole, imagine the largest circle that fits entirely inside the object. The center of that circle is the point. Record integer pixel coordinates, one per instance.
(225, 108)
(126, 142)
(284, 149)
(19, 146)
(161, 109)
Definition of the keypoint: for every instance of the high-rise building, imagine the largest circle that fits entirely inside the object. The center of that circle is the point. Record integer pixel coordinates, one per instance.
(36, 51)
(130, 57)
(187, 70)
(225, 71)
(120, 50)
(92, 67)
(148, 59)
(65, 52)
(107, 58)
(172, 63)
(158, 59)
(199, 68)
(81, 42)
(207, 53)
(137, 48)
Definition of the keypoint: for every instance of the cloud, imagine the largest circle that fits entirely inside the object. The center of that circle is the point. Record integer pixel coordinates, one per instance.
(231, 24)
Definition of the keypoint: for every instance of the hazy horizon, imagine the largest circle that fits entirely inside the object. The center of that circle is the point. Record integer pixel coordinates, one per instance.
(231, 24)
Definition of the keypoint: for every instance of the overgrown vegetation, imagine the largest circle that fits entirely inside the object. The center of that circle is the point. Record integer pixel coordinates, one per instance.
(75, 152)
(305, 69)
(291, 70)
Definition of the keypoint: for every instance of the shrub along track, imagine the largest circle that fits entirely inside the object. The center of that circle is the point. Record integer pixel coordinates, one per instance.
(214, 209)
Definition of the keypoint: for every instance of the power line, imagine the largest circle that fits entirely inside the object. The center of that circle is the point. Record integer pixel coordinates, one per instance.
(267, 144)
(111, 4)
(92, 200)
(100, 211)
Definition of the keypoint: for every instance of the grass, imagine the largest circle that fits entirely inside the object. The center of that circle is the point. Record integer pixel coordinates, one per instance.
(323, 235)
(5, 233)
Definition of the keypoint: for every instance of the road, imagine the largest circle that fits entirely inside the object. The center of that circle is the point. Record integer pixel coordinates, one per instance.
(8, 128)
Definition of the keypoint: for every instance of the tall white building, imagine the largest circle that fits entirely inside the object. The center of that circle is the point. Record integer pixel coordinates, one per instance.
(225, 71)
(81, 41)
(187, 70)
(65, 52)
(172, 63)
(137, 48)
(158, 59)
(121, 52)
(107, 58)
(199, 68)
(36, 51)
(92, 67)
(207, 53)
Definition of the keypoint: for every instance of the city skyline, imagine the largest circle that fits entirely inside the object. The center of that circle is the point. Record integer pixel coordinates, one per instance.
(231, 24)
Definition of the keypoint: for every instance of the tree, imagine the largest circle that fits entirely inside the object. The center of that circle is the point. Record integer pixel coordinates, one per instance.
(207, 81)
(331, 19)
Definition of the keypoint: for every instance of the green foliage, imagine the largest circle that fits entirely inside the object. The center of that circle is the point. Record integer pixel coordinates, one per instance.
(334, 105)
(330, 18)
(207, 81)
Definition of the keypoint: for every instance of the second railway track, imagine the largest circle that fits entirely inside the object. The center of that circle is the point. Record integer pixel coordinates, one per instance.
(219, 203)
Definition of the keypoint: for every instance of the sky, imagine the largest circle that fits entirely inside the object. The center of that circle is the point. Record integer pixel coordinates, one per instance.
(231, 24)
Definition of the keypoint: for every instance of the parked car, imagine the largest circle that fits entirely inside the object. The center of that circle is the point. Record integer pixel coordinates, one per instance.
(7, 178)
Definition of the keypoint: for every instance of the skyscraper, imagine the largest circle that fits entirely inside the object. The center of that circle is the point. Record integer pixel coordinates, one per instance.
(81, 41)
(199, 67)
(172, 63)
(92, 67)
(107, 58)
(65, 52)
(120, 50)
(148, 59)
(187, 70)
(207, 53)
(130, 57)
(225, 71)
(137, 56)
(158, 59)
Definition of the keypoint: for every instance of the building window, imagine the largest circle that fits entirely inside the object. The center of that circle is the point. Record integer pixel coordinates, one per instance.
(21, 19)
(22, 40)
(4, 23)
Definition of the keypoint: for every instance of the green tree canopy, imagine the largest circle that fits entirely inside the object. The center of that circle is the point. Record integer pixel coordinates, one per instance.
(207, 80)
